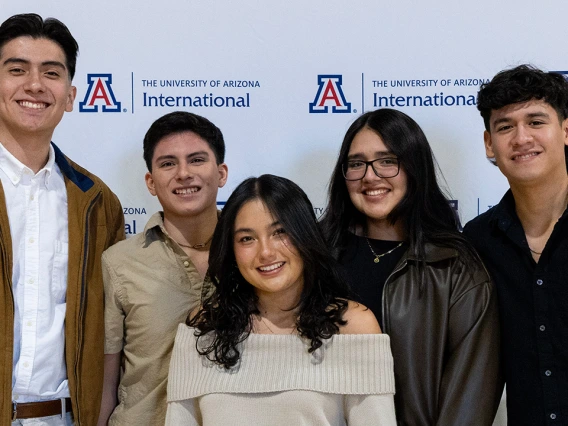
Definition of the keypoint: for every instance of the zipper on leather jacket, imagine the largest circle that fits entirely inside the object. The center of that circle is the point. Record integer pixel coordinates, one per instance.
(82, 306)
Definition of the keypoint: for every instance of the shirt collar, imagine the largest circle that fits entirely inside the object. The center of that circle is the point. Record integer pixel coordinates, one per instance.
(16, 170)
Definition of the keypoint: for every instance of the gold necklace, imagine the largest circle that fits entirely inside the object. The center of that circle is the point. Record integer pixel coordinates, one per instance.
(378, 256)
(269, 329)
(195, 246)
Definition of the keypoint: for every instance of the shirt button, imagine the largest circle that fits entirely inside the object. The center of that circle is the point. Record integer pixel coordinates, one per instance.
(31, 240)
(553, 416)
(548, 373)
(186, 263)
(539, 282)
(31, 197)
(31, 281)
(29, 323)
(26, 364)
(542, 328)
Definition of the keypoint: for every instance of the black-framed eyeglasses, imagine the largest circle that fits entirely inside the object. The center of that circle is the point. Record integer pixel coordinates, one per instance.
(386, 167)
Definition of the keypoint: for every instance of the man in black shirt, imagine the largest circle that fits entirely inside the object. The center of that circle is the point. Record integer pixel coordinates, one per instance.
(523, 240)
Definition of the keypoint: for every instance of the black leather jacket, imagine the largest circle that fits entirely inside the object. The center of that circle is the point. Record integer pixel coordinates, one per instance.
(445, 341)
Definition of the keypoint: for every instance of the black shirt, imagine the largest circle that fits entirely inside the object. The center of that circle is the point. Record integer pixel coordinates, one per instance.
(365, 277)
(533, 303)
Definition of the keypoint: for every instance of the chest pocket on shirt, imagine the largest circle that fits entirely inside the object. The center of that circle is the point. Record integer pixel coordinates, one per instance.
(59, 273)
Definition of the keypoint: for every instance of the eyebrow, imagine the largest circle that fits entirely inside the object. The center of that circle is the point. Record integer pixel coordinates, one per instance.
(272, 225)
(378, 154)
(529, 115)
(173, 157)
(25, 61)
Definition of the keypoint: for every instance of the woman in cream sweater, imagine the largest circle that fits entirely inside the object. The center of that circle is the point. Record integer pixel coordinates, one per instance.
(278, 342)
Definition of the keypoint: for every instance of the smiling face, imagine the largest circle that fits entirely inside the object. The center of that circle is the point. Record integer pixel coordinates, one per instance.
(185, 176)
(265, 255)
(527, 141)
(35, 88)
(373, 196)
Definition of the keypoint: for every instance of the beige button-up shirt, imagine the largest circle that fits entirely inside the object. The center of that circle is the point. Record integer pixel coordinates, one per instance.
(151, 285)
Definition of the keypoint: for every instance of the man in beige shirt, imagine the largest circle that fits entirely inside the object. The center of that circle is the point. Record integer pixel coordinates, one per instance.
(154, 279)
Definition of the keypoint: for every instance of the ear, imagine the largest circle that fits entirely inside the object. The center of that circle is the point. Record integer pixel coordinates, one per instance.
(564, 125)
(488, 144)
(71, 99)
(150, 183)
(223, 174)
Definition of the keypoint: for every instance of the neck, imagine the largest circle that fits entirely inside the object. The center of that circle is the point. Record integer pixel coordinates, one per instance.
(191, 230)
(32, 151)
(540, 205)
(384, 230)
(279, 308)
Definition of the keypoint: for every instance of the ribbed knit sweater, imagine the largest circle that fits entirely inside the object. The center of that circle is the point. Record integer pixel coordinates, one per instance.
(348, 381)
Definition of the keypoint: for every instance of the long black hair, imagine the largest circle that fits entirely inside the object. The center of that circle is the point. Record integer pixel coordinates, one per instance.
(225, 318)
(424, 211)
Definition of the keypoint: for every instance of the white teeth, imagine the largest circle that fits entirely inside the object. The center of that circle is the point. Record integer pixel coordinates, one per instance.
(185, 191)
(33, 105)
(377, 192)
(525, 156)
(271, 267)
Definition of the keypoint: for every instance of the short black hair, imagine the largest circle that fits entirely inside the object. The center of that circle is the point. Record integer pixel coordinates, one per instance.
(179, 122)
(34, 26)
(522, 84)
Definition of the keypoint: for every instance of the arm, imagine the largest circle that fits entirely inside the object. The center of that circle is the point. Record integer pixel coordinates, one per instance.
(114, 333)
(183, 413)
(472, 383)
(110, 386)
(370, 410)
(116, 228)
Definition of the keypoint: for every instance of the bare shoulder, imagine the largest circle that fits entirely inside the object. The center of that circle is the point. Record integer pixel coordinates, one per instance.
(194, 312)
(360, 320)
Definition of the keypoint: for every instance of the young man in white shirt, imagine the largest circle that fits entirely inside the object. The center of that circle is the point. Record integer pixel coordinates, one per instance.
(154, 279)
(55, 220)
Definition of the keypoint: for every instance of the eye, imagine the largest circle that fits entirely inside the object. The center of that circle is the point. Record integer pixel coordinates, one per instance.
(386, 162)
(279, 231)
(245, 239)
(16, 71)
(504, 128)
(168, 163)
(197, 160)
(52, 74)
(537, 122)
(355, 164)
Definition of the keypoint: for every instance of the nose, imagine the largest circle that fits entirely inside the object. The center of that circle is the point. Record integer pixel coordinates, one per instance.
(183, 172)
(522, 135)
(370, 174)
(266, 249)
(34, 82)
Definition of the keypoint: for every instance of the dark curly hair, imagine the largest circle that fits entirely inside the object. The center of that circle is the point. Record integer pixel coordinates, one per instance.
(522, 84)
(225, 318)
(424, 211)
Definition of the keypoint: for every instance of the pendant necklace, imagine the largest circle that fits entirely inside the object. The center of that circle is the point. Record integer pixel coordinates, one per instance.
(378, 256)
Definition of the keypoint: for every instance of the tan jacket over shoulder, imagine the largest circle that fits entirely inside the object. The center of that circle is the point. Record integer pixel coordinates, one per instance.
(95, 223)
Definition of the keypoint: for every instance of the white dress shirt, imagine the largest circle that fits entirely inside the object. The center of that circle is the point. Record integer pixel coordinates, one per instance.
(37, 212)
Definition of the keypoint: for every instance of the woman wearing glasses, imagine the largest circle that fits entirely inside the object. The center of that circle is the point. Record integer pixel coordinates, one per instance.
(397, 237)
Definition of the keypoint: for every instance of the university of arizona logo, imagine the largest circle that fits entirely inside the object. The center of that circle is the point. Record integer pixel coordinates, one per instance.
(99, 93)
(329, 94)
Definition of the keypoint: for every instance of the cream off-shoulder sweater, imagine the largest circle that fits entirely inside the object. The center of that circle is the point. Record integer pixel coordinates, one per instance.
(348, 381)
